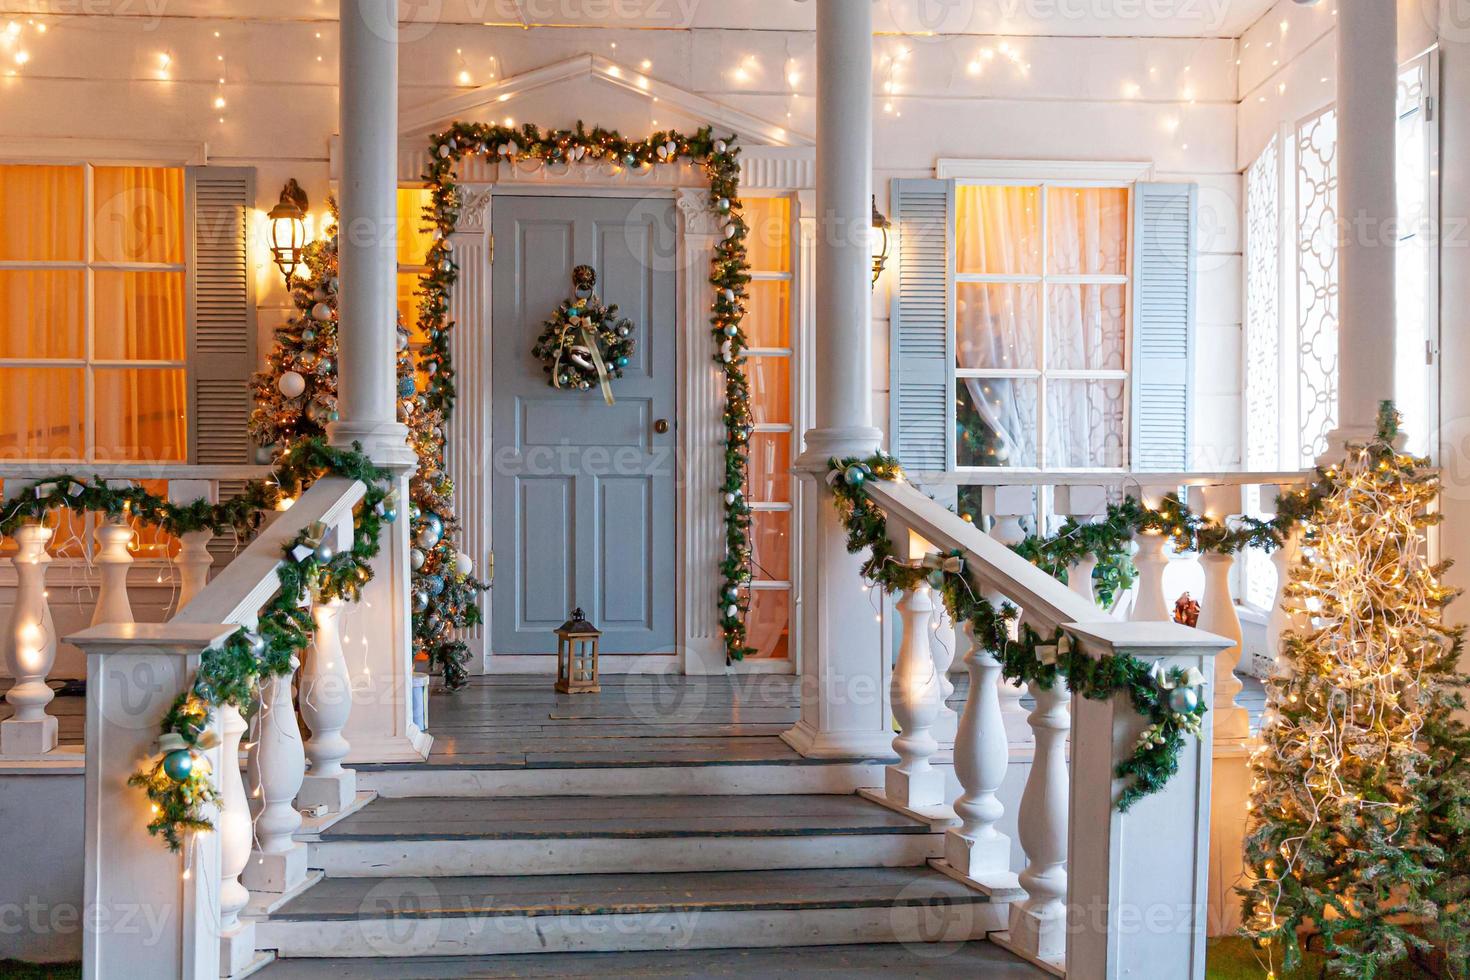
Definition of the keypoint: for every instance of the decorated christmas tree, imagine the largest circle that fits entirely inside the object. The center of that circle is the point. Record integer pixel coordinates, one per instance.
(296, 397)
(1360, 807)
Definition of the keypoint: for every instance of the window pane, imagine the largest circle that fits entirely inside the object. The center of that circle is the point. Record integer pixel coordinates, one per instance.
(42, 209)
(768, 244)
(1086, 327)
(39, 418)
(767, 321)
(770, 389)
(998, 230)
(1084, 423)
(770, 535)
(995, 422)
(996, 325)
(770, 465)
(138, 214)
(1087, 231)
(140, 316)
(140, 414)
(413, 238)
(41, 313)
(768, 623)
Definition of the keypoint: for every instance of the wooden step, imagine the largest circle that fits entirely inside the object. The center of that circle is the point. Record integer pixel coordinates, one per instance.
(866, 962)
(597, 835)
(470, 916)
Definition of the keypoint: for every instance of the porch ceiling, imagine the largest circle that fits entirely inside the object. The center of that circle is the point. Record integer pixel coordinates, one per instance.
(1074, 18)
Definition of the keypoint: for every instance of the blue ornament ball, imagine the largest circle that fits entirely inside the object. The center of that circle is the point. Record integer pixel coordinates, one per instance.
(854, 476)
(731, 330)
(1183, 700)
(434, 583)
(406, 387)
(622, 362)
(178, 764)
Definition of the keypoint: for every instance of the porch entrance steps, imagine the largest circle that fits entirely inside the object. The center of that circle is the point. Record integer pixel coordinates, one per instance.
(617, 836)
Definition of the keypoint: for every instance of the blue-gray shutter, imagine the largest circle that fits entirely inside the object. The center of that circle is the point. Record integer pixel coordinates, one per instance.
(921, 355)
(221, 312)
(1164, 271)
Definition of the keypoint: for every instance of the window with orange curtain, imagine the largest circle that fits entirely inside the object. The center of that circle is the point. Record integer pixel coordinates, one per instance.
(92, 313)
(770, 369)
(1041, 325)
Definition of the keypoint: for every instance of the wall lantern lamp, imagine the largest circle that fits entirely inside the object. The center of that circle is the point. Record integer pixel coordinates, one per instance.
(288, 229)
(881, 224)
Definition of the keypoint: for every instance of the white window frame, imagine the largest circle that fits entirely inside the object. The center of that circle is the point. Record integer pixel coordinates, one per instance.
(1044, 175)
(17, 153)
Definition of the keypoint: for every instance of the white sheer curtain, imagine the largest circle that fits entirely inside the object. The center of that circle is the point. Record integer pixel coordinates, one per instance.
(1000, 324)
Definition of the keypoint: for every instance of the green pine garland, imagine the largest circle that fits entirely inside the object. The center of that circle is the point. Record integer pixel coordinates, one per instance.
(1169, 700)
(729, 273)
(229, 673)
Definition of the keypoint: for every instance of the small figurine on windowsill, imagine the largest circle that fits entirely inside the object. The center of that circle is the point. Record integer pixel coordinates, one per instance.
(1186, 611)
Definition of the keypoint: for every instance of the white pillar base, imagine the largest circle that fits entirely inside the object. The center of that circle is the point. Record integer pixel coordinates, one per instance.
(276, 873)
(814, 744)
(336, 791)
(30, 737)
(237, 948)
(1039, 936)
(913, 789)
(978, 858)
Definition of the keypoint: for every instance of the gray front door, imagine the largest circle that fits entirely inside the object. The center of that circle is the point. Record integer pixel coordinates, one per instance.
(582, 493)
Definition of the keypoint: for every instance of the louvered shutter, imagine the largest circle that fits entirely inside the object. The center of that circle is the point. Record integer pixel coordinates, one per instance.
(221, 313)
(1164, 270)
(921, 348)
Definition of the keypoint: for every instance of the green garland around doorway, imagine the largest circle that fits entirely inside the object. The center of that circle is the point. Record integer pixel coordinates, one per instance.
(729, 274)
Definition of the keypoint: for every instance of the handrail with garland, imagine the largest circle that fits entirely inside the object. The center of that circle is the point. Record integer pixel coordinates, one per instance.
(1168, 699)
(230, 673)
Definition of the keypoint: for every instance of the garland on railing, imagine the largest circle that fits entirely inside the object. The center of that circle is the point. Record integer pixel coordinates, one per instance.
(729, 273)
(176, 779)
(1169, 699)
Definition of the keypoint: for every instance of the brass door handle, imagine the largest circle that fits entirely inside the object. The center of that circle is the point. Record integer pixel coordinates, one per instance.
(661, 426)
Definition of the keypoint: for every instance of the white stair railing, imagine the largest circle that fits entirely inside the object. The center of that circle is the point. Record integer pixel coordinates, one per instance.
(136, 670)
(1065, 811)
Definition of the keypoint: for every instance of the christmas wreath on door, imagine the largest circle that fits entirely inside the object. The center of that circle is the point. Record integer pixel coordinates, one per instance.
(585, 342)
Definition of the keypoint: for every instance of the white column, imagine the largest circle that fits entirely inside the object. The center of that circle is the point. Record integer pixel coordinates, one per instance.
(1367, 89)
(913, 781)
(30, 649)
(381, 727)
(278, 864)
(1038, 923)
(977, 848)
(236, 830)
(326, 705)
(844, 709)
(193, 561)
(114, 561)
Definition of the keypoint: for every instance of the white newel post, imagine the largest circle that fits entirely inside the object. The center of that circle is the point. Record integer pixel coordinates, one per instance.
(236, 830)
(114, 561)
(193, 561)
(976, 848)
(278, 863)
(1038, 923)
(134, 673)
(844, 709)
(30, 649)
(326, 704)
(913, 781)
(381, 727)
(1367, 90)
(1137, 880)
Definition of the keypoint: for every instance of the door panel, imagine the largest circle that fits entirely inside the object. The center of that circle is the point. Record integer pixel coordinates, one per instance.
(583, 502)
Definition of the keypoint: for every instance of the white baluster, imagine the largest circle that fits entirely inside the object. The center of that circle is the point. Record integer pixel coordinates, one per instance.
(1008, 505)
(237, 936)
(1038, 924)
(114, 561)
(1280, 621)
(279, 863)
(913, 781)
(942, 641)
(30, 649)
(1217, 614)
(1079, 577)
(977, 848)
(193, 561)
(1149, 604)
(326, 704)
